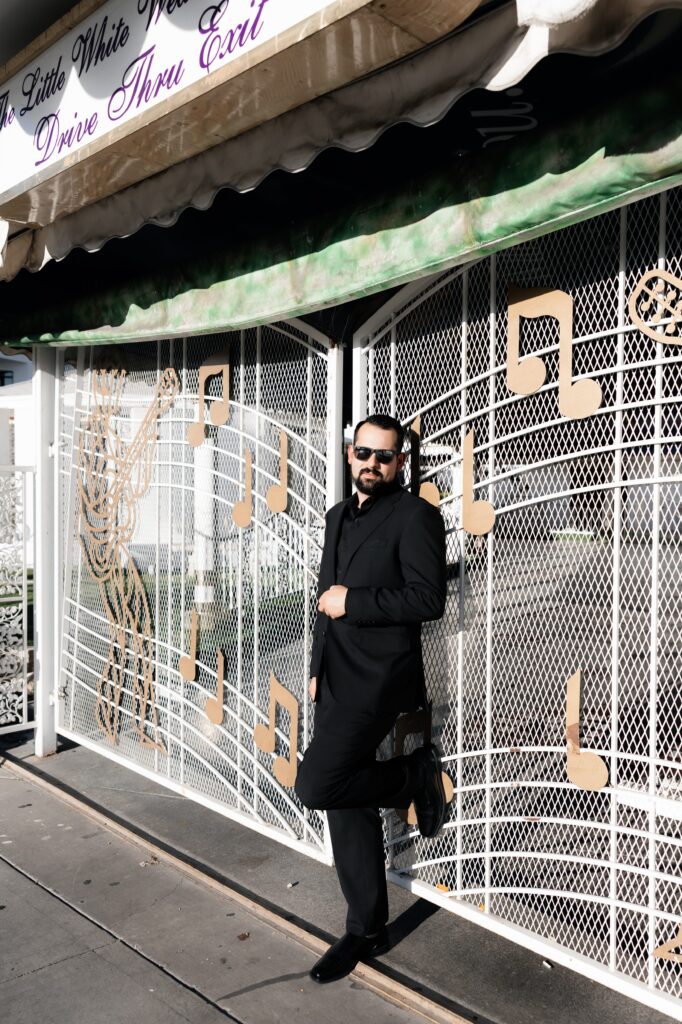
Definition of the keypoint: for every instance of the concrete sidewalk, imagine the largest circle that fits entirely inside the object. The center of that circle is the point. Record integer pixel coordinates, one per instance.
(94, 929)
(466, 969)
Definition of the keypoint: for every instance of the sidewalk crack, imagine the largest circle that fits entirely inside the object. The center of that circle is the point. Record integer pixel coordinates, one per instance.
(59, 960)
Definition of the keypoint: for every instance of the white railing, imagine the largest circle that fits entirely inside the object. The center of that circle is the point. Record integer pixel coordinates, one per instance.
(16, 599)
(138, 564)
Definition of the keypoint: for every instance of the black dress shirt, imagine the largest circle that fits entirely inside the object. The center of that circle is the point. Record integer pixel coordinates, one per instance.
(353, 515)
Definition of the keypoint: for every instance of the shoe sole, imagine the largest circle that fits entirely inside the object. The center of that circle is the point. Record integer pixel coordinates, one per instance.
(438, 768)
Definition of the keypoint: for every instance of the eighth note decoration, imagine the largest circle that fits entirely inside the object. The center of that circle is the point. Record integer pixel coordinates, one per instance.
(188, 662)
(428, 490)
(277, 497)
(213, 707)
(587, 771)
(284, 769)
(215, 365)
(577, 399)
(650, 303)
(478, 517)
(243, 509)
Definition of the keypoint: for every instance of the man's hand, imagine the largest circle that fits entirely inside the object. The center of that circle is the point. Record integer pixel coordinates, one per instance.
(312, 688)
(333, 602)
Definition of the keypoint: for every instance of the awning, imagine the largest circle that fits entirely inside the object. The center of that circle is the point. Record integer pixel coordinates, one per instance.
(494, 52)
(626, 146)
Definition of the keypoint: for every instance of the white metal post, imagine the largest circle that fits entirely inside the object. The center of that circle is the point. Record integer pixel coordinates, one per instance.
(462, 542)
(359, 378)
(655, 607)
(45, 571)
(489, 630)
(615, 616)
(334, 424)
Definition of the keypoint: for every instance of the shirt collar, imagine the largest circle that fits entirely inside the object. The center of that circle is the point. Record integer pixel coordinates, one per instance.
(356, 510)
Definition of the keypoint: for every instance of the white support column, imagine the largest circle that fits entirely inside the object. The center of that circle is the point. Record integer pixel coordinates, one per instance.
(334, 424)
(360, 360)
(46, 571)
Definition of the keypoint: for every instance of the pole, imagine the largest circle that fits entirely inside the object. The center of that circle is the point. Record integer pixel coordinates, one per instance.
(46, 572)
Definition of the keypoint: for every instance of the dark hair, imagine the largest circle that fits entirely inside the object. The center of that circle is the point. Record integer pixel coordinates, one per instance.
(384, 423)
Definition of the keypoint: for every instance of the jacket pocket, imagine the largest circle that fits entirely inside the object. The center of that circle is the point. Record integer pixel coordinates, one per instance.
(388, 640)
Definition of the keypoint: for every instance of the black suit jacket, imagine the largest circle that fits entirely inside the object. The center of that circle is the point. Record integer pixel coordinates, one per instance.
(395, 571)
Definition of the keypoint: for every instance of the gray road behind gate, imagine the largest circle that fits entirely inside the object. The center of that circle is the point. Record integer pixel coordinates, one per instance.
(95, 929)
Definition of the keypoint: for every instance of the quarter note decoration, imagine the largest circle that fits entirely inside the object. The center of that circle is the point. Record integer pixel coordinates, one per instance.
(587, 771)
(284, 769)
(214, 705)
(478, 517)
(407, 725)
(666, 950)
(577, 399)
(428, 490)
(277, 497)
(658, 296)
(242, 511)
(214, 366)
(188, 663)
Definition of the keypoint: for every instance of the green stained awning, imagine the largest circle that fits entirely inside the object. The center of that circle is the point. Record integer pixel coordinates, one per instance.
(458, 209)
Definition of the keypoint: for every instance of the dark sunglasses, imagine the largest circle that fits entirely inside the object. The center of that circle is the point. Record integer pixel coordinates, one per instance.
(384, 455)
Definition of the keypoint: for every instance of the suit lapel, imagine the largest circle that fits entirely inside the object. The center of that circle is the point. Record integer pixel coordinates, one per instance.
(370, 525)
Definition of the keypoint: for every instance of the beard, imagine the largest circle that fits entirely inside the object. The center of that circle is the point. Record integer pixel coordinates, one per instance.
(367, 483)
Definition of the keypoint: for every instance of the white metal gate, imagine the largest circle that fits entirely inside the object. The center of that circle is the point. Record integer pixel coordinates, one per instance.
(581, 572)
(16, 598)
(195, 475)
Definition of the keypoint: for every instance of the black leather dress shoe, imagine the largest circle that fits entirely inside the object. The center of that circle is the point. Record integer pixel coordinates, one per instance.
(429, 795)
(343, 956)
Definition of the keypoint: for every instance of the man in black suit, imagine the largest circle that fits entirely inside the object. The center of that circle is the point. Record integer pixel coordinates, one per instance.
(382, 574)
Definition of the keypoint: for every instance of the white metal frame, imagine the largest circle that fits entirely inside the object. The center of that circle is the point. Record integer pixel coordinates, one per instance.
(380, 335)
(257, 800)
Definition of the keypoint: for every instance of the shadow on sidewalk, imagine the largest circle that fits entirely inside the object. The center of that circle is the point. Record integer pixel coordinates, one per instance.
(409, 921)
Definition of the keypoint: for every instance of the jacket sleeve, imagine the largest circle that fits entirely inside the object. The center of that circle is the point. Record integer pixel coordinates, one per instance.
(422, 563)
(320, 618)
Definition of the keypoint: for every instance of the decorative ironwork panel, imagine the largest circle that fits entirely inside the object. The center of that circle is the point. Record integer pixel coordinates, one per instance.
(194, 488)
(574, 408)
(16, 680)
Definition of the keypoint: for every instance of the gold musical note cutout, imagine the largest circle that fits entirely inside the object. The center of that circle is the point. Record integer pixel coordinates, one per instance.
(577, 399)
(587, 771)
(428, 491)
(284, 769)
(113, 477)
(666, 304)
(241, 513)
(277, 497)
(665, 950)
(408, 725)
(214, 705)
(188, 663)
(526, 376)
(478, 517)
(220, 410)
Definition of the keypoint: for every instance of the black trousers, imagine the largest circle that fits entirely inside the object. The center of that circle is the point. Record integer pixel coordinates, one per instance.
(341, 775)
